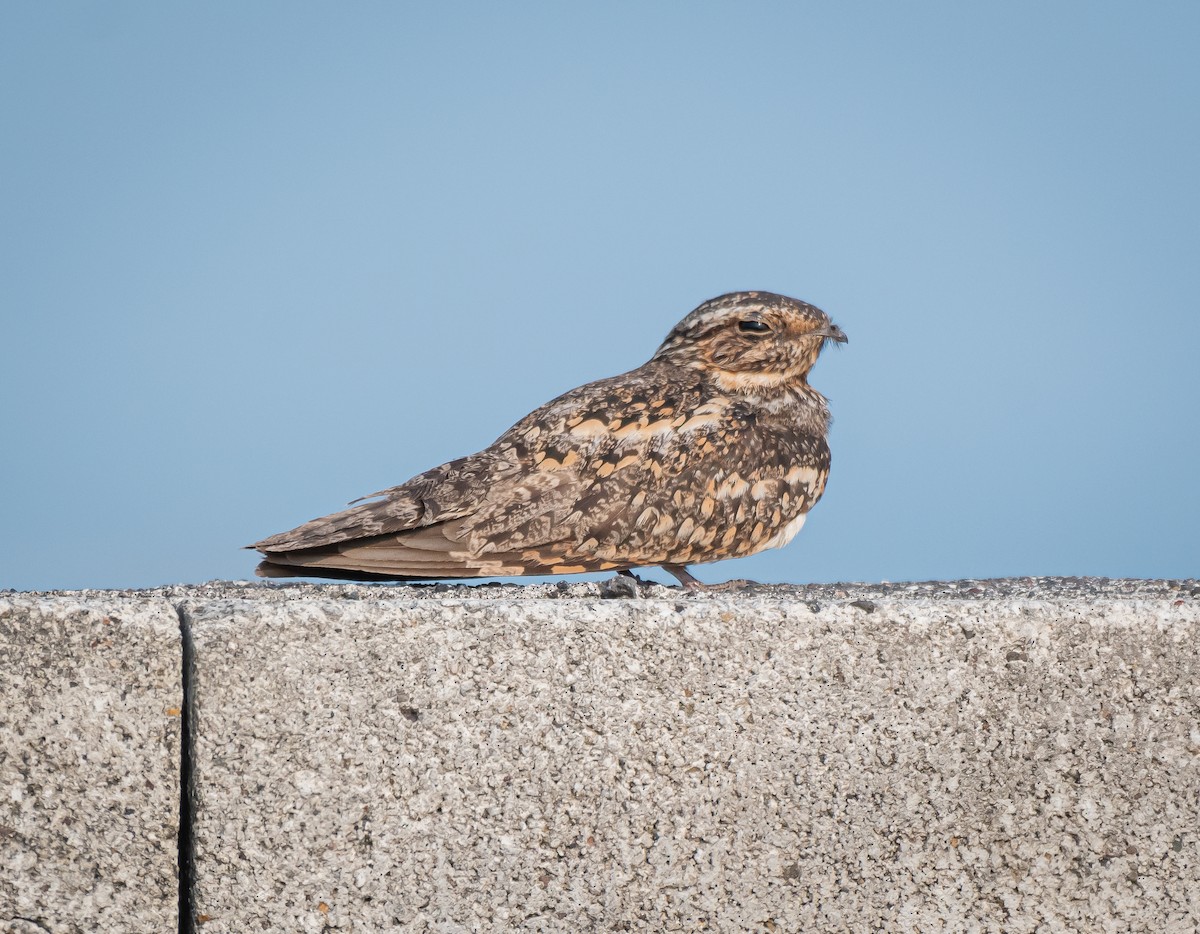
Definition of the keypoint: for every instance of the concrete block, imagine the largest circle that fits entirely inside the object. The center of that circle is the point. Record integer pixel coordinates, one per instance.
(977, 758)
(90, 718)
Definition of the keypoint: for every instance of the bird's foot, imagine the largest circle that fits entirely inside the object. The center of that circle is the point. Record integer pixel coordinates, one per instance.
(684, 576)
(627, 584)
(740, 583)
(688, 582)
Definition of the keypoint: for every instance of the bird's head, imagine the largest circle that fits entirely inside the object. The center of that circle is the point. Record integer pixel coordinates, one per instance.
(751, 339)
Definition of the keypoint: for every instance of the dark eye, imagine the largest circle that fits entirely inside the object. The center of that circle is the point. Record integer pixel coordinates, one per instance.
(754, 326)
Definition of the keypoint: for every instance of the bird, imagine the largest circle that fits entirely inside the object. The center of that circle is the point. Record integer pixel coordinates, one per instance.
(714, 448)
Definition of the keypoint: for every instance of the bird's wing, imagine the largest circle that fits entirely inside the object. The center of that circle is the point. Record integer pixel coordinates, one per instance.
(487, 535)
(479, 516)
(443, 493)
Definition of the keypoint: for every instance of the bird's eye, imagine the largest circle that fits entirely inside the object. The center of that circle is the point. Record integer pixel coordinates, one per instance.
(754, 326)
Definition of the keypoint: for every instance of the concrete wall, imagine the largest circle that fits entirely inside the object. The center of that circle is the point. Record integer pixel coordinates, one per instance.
(1011, 756)
(91, 704)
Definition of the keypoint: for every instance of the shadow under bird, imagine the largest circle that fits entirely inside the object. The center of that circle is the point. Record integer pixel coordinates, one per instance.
(715, 448)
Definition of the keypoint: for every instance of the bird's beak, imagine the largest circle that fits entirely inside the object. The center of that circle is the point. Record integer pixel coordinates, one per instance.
(832, 332)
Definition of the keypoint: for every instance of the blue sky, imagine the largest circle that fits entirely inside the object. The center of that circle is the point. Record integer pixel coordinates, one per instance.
(260, 259)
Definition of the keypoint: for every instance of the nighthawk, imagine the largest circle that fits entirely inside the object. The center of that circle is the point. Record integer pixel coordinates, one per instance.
(715, 448)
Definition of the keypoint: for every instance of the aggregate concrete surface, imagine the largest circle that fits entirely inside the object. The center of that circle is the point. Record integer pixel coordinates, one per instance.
(993, 756)
(91, 702)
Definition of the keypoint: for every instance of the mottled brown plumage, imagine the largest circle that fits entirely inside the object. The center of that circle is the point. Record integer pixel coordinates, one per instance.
(715, 448)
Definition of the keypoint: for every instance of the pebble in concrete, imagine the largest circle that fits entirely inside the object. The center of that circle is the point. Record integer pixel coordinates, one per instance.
(90, 717)
(780, 762)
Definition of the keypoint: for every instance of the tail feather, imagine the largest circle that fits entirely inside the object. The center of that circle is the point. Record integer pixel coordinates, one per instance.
(270, 569)
(433, 552)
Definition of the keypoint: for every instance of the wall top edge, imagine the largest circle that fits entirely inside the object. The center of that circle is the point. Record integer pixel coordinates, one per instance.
(1011, 588)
